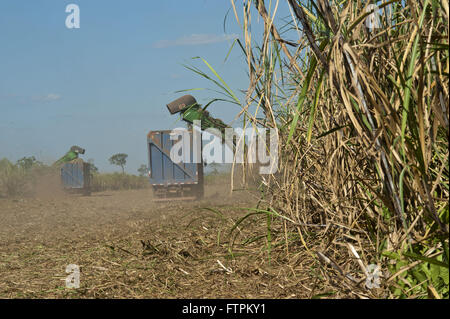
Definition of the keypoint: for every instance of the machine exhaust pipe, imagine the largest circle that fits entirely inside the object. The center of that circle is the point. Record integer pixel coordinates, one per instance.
(77, 149)
(181, 103)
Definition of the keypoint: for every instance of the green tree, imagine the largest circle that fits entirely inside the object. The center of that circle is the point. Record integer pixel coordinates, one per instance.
(27, 162)
(142, 170)
(94, 169)
(119, 159)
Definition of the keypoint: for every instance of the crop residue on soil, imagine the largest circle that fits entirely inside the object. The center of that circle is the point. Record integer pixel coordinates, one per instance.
(128, 246)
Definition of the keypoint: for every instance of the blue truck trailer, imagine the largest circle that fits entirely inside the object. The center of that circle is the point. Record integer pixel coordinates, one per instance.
(76, 177)
(172, 180)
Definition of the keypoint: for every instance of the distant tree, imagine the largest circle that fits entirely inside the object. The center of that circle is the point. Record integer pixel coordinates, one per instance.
(27, 162)
(94, 169)
(143, 170)
(119, 159)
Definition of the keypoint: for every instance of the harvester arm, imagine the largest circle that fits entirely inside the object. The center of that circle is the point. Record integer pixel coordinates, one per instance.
(71, 155)
(191, 111)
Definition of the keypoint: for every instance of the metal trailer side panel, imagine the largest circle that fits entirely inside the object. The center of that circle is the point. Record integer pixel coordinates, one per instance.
(163, 171)
(73, 175)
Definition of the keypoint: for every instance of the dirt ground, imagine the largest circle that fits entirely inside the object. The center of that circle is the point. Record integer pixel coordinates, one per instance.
(128, 246)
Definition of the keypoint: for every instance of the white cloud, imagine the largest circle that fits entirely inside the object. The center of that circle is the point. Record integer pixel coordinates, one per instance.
(47, 98)
(195, 39)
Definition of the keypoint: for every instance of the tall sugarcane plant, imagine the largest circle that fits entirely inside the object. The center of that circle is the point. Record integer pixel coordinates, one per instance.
(358, 92)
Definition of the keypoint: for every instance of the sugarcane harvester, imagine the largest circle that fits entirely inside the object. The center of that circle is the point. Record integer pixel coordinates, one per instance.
(191, 112)
(75, 173)
(184, 180)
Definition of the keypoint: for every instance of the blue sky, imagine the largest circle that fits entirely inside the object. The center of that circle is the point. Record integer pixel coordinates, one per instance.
(105, 85)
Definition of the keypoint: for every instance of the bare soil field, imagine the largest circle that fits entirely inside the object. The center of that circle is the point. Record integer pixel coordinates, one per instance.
(128, 246)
